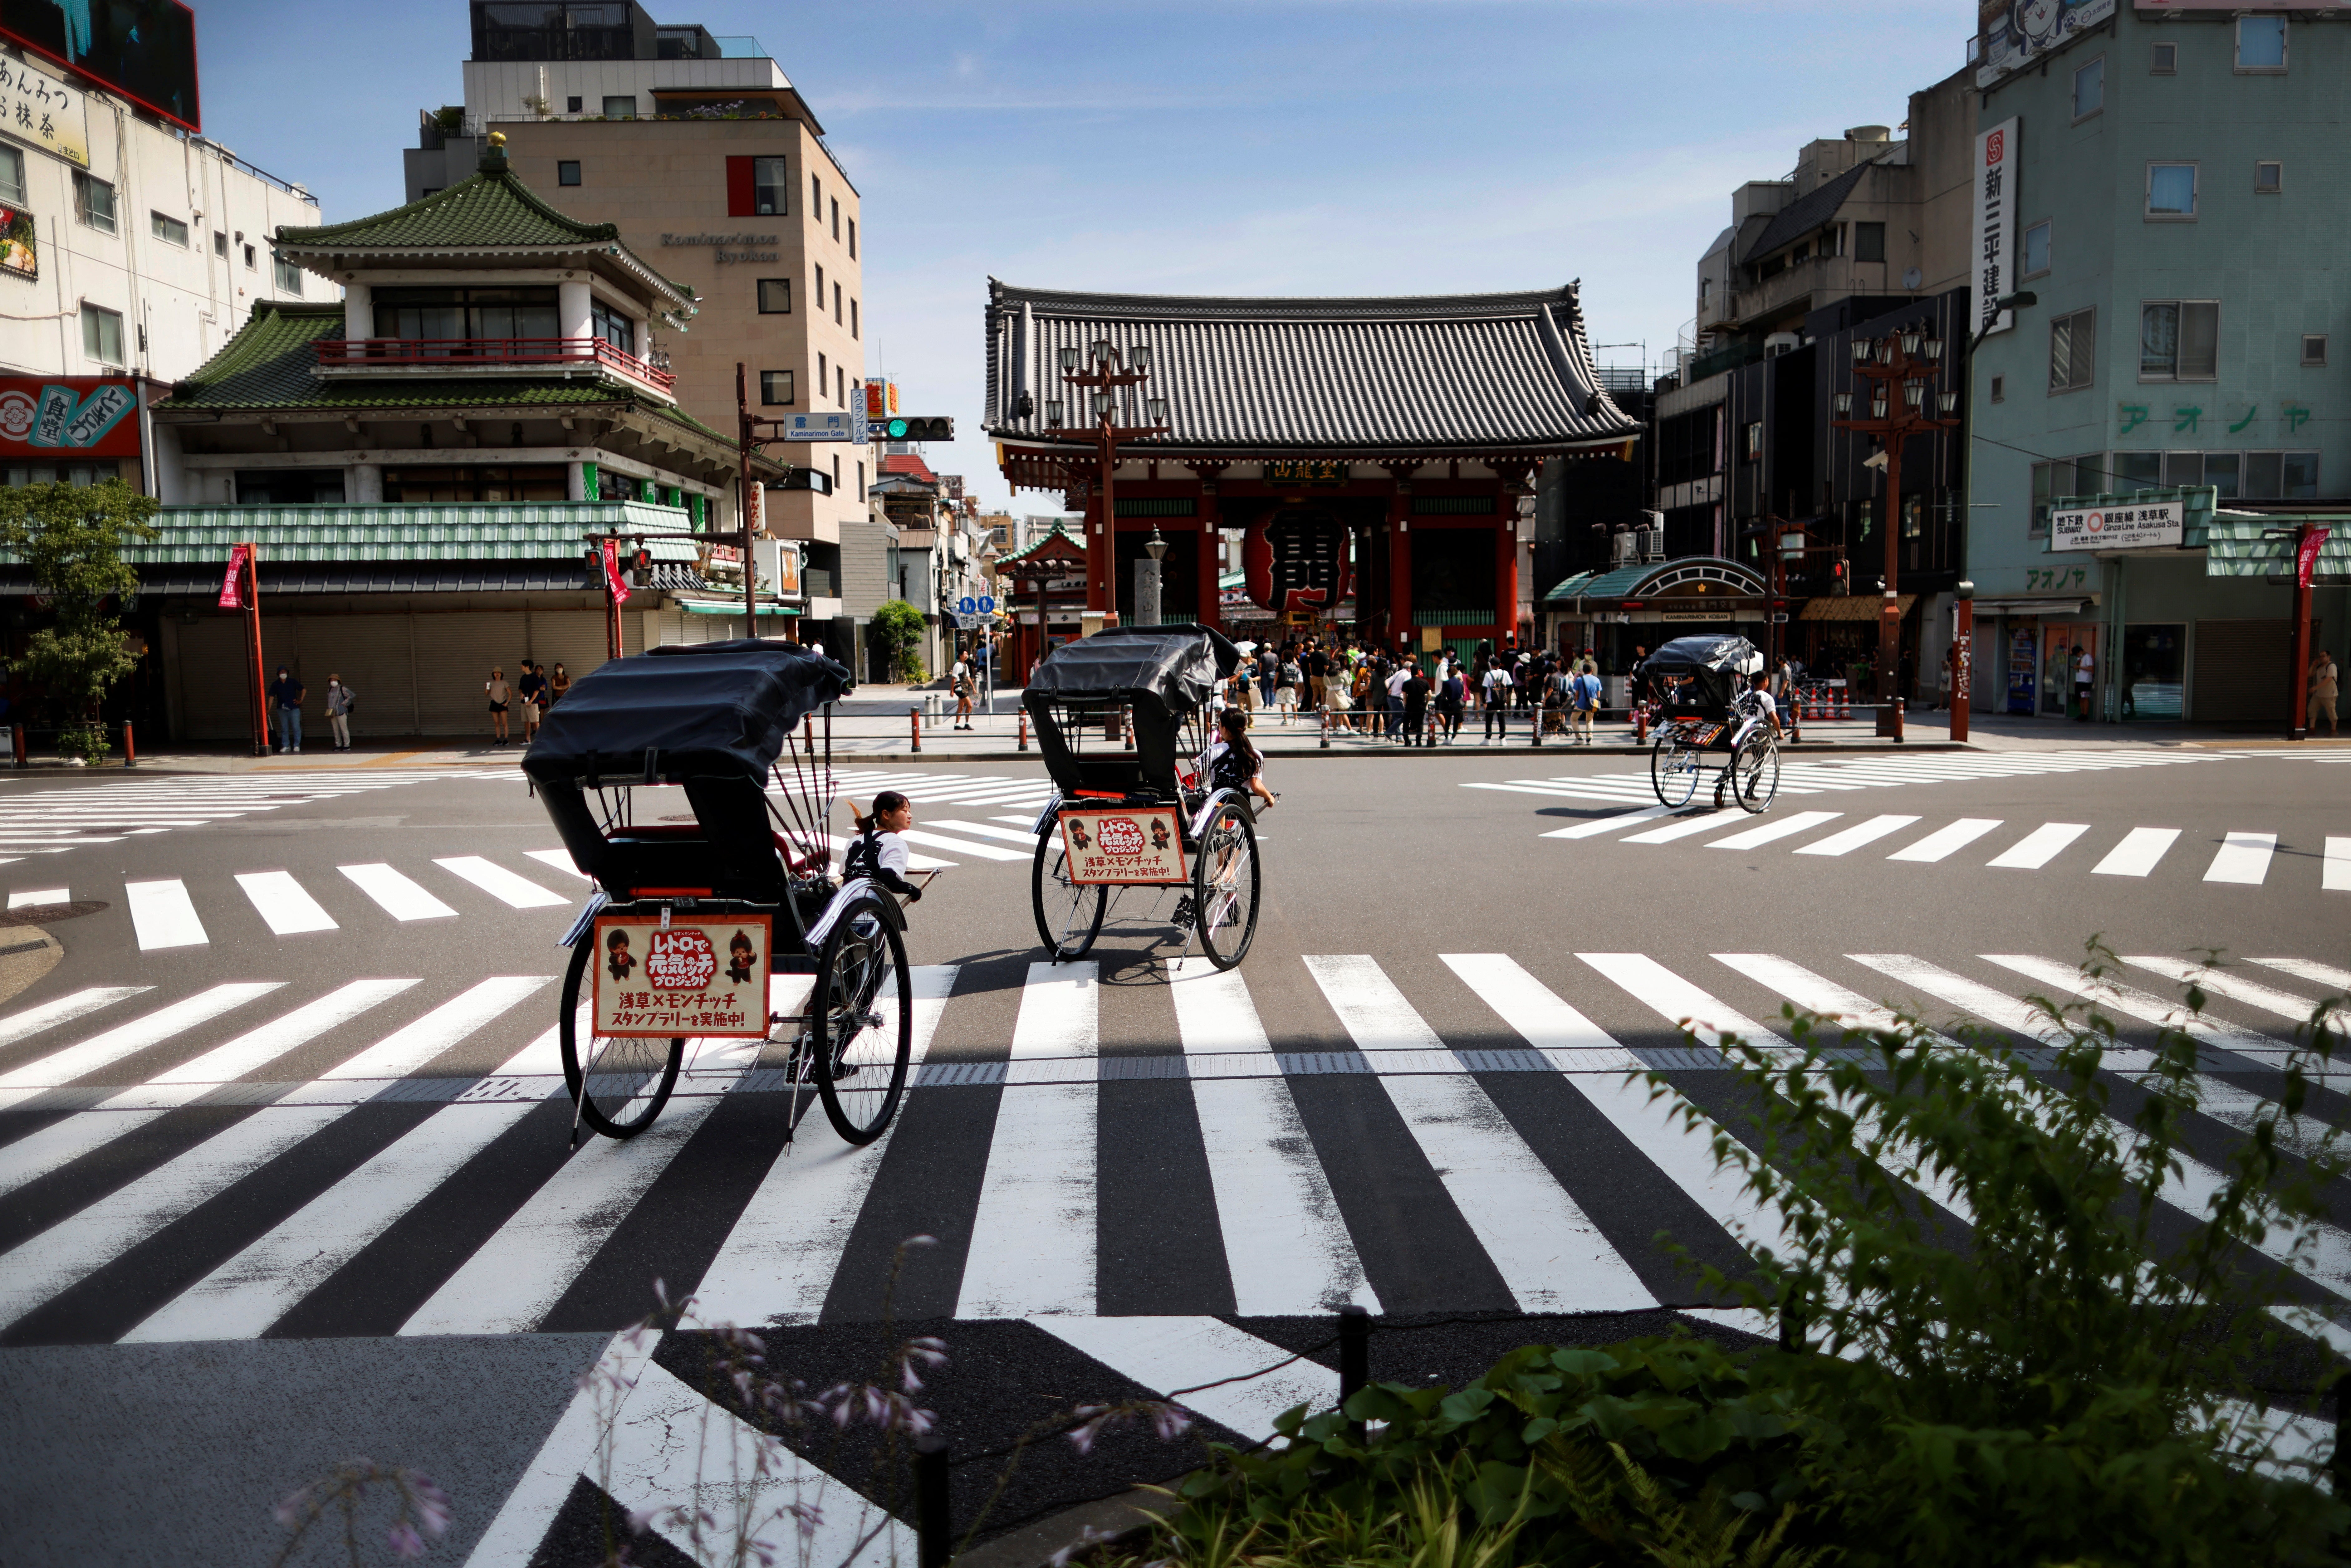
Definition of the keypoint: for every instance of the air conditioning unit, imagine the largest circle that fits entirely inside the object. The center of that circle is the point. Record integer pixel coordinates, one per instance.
(1779, 343)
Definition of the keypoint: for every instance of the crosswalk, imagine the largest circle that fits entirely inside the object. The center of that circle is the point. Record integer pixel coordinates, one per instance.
(988, 817)
(2240, 858)
(49, 820)
(1877, 770)
(1459, 1137)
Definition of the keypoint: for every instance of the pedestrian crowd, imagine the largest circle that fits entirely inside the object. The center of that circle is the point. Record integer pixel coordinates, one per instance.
(1418, 699)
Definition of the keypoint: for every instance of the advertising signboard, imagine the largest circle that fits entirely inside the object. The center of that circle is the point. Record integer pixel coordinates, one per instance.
(39, 109)
(20, 245)
(1993, 276)
(706, 978)
(1124, 847)
(2158, 524)
(79, 417)
(143, 49)
(2015, 36)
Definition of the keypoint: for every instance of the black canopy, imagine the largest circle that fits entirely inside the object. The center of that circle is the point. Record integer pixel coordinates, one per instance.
(1731, 655)
(680, 712)
(1714, 667)
(1176, 668)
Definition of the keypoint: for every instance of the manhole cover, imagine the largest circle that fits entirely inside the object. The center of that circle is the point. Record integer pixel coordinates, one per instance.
(49, 914)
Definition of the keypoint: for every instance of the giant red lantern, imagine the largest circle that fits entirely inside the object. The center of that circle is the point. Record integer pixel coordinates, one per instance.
(1296, 560)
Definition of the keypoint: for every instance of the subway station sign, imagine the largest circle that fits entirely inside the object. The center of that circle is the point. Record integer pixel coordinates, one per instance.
(2158, 524)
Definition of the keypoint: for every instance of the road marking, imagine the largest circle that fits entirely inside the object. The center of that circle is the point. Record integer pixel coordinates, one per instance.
(2242, 858)
(2138, 853)
(2143, 1005)
(2039, 847)
(284, 904)
(2236, 988)
(1685, 828)
(1032, 1233)
(985, 832)
(965, 846)
(163, 916)
(1946, 841)
(1546, 1249)
(1611, 824)
(259, 1047)
(125, 1040)
(500, 883)
(408, 1048)
(65, 1010)
(1786, 827)
(561, 860)
(1676, 1000)
(2303, 969)
(520, 1527)
(1857, 835)
(394, 893)
(2335, 875)
(1172, 1353)
(1286, 1244)
(40, 895)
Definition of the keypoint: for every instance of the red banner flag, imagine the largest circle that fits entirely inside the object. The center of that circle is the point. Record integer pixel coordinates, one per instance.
(2306, 561)
(613, 583)
(232, 593)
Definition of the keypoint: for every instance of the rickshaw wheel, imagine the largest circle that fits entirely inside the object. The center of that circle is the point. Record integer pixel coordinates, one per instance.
(1225, 885)
(1069, 915)
(1755, 773)
(861, 1022)
(629, 1079)
(1674, 766)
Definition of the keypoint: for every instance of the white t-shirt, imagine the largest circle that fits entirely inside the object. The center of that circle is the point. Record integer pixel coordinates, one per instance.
(2083, 668)
(1396, 681)
(889, 852)
(959, 672)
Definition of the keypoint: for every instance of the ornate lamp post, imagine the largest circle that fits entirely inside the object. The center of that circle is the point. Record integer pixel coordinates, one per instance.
(1099, 387)
(1900, 371)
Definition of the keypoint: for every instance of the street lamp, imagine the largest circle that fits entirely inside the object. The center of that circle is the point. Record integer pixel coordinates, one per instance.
(1102, 383)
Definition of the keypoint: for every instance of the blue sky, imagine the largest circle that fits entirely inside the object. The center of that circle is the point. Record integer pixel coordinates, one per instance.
(1277, 147)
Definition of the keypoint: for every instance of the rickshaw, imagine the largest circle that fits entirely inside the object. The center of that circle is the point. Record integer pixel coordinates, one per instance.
(695, 912)
(1118, 717)
(1704, 705)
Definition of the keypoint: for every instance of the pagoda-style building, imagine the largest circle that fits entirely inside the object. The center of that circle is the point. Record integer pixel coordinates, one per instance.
(1382, 444)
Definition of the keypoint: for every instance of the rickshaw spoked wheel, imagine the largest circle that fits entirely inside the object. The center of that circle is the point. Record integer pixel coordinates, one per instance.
(1225, 884)
(1674, 766)
(629, 1079)
(861, 1027)
(1069, 914)
(1755, 772)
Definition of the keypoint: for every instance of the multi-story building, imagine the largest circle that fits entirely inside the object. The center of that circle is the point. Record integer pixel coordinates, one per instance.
(710, 161)
(2173, 205)
(131, 247)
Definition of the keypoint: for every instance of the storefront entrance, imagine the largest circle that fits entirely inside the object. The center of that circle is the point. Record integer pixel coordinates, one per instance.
(2063, 644)
(2151, 667)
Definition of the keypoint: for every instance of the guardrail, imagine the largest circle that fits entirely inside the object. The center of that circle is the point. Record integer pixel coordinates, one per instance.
(454, 351)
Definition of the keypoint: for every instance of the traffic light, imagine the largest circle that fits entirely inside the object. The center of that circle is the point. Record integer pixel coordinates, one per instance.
(913, 427)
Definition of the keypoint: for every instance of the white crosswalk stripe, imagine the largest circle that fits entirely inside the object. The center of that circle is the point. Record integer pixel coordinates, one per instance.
(284, 903)
(27, 897)
(397, 895)
(1806, 776)
(53, 821)
(2242, 858)
(1856, 836)
(500, 883)
(1945, 842)
(2040, 846)
(163, 916)
(1289, 1233)
(2138, 854)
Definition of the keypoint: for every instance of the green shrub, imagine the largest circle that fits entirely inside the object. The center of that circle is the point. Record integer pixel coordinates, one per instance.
(898, 625)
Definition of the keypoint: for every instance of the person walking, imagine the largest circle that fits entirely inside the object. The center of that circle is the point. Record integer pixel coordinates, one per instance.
(2321, 690)
(1493, 694)
(1394, 686)
(1285, 688)
(558, 684)
(2086, 670)
(1585, 693)
(1450, 693)
(959, 682)
(500, 694)
(1414, 691)
(287, 691)
(339, 712)
(1318, 674)
(532, 689)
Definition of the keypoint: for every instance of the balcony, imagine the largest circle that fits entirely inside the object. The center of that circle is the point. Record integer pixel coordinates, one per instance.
(435, 358)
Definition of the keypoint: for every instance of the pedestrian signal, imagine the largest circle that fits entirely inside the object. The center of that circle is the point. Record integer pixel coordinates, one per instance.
(914, 427)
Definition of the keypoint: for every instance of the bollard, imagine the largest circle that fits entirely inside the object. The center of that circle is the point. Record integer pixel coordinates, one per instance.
(1536, 713)
(1024, 729)
(914, 717)
(16, 737)
(934, 1514)
(130, 746)
(1640, 727)
(1325, 712)
(1355, 1358)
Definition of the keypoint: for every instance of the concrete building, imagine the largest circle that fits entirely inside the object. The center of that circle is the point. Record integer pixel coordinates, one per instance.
(132, 248)
(2176, 210)
(708, 159)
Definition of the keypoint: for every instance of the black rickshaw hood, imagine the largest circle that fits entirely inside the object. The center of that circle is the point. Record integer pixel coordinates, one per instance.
(690, 710)
(1179, 667)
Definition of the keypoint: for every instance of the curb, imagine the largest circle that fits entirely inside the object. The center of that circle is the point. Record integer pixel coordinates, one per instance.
(1810, 748)
(1123, 1518)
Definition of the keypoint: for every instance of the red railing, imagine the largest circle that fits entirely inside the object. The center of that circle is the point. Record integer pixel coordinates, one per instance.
(339, 352)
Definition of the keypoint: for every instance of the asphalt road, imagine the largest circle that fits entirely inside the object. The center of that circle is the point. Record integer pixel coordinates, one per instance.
(303, 1193)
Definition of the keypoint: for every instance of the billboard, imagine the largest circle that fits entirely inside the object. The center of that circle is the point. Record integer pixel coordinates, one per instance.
(20, 245)
(2017, 33)
(1994, 273)
(69, 417)
(38, 108)
(143, 49)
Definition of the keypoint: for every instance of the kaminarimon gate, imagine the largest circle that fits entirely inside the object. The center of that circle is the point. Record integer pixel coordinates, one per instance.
(1372, 450)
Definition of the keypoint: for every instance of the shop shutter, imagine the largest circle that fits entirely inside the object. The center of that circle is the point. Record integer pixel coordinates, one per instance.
(210, 667)
(454, 654)
(664, 627)
(573, 638)
(2242, 670)
(374, 654)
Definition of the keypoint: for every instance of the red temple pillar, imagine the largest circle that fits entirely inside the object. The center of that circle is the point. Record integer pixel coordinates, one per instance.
(1399, 624)
(1102, 558)
(1506, 569)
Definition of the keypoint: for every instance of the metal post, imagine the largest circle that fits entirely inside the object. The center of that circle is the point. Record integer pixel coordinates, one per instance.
(2299, 728)
(18, 739)
(1354, 1357)
(1325, 712)
(914, 717)
(1024, 729)
(130, 746)
(934, 1512)
(747, 497)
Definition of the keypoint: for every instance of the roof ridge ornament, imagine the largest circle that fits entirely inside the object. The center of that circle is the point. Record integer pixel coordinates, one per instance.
(494, 153)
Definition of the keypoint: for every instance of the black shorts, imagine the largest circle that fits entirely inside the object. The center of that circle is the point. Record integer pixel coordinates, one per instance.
(497, 707)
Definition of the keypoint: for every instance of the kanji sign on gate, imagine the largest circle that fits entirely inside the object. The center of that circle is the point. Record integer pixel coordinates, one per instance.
(1297, 560)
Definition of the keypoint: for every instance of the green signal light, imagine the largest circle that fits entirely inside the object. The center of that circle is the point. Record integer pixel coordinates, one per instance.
(897, 429)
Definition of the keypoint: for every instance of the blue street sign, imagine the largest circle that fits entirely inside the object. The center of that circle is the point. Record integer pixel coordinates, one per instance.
(988, 604)
(968, 605)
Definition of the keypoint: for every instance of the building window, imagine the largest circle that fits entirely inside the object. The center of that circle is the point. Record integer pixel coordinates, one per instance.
(2179, 341)
(774, 386)
(289, 277)
(2163, 60)
(1751, 447)
(816, 193)
(170, 230)
(518, 482)
(1999, 389)
(2261, 44)
(771, 195)
(618, 107)
(820, 291)
(250, 260)
(836, 217)
(836, 304)
(853, 320)
(2072, 351)
(775, 297)
(102, 335)
(823, 374)
(567, 171)
(573, 104)
(11, 176)
(220, 245)
(2090, 89)
(2139, 471)
(1869, 242)
(852, 239)
(2171, 191)
(836, 476)
(428, 314)
(841, 385)
(611, 326)
(295, 486)
(2036, 249)
(2269, 178)
(94, 202)
(2062, 480)
(2314, 349)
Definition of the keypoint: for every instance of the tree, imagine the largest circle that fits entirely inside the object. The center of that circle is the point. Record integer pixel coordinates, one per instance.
(72, 539)
(899, 626)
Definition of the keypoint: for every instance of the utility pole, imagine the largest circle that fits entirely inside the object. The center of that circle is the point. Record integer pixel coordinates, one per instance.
(1101, 385)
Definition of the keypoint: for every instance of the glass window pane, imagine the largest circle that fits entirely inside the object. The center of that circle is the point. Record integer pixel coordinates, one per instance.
(770, 195)
(2199, 336)
(2152, 662)
(2261, 480)
(2061, 333)
(12, 174)
(2159, 339)
(2261, 43)
(1869, 242)
(620, 108)
(2036, 249)
(2221, 473)
(2090, 89)
(2139, 470)
(2301, 481)
(567, 171)
(2171, 190)
(775, 297)
(2041, 480)
(2182, 470)
(774, 386)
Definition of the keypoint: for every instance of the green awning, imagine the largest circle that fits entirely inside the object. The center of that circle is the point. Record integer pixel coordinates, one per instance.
(700, 607)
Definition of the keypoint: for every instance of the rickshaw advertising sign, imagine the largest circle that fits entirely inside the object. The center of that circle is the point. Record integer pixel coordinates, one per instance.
(1123, 848)
(706, 978)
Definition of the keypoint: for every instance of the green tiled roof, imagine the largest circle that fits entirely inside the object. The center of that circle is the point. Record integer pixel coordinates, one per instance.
(512, 530)
(1039, 544)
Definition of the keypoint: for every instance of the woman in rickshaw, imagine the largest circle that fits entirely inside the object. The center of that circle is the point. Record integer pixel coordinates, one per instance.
(879, 852)
(1230, 762)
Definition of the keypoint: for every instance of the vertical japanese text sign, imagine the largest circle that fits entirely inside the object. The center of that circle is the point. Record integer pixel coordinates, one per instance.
(1995, 273)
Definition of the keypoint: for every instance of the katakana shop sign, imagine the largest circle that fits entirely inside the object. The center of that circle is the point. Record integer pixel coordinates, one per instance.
(82, 416)
(1123, 847)
(37, 109)
(706, 978)
(1296, 560)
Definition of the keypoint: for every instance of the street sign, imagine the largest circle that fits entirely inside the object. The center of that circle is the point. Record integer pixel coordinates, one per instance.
(842, 424)
(966, 605)
(988, 604)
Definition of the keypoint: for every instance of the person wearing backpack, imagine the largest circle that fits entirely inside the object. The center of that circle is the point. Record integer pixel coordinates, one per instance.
(339, 700)
(1585, 688)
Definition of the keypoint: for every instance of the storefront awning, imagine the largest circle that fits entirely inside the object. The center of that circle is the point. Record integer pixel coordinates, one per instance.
(1854, 607)
(734, 607)
(2030, 606)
